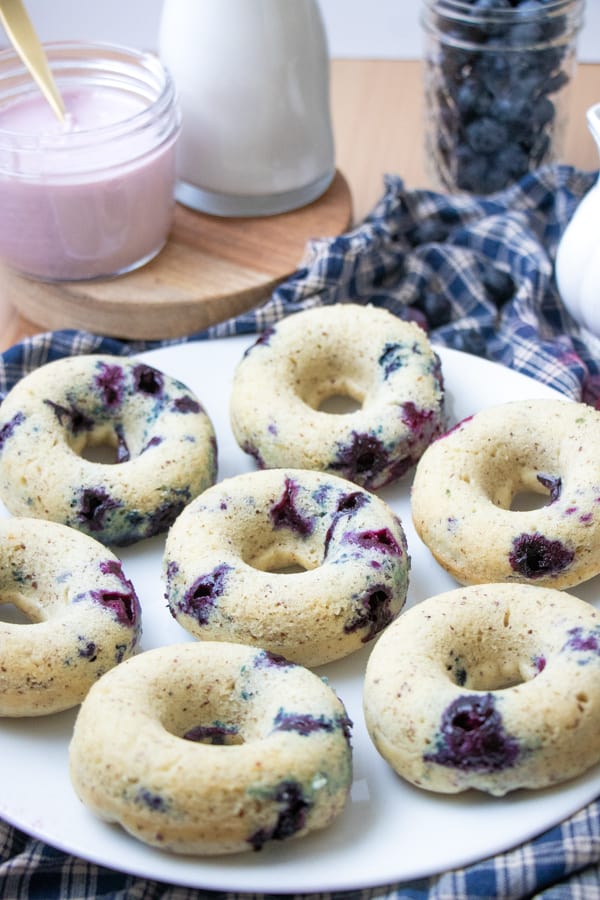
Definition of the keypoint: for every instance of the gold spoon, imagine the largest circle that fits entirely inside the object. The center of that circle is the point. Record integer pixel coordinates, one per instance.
(26, 42)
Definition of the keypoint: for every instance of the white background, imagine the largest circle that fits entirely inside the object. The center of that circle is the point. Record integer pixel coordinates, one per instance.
(355, 28)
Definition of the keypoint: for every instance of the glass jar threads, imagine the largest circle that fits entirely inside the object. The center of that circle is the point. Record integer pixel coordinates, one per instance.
(497, 74)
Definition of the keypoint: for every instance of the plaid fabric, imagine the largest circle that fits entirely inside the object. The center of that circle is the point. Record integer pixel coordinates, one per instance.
(478, 273)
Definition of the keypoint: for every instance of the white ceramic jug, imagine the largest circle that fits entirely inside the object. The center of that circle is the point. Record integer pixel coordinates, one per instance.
(253, 83)
(577, 264)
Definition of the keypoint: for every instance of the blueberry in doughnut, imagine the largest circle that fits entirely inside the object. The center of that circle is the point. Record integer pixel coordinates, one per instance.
(494, 687)
(228, 557)
(162, 443)
(83, 616)
(466, 483)
(363, 354)
(212, 748)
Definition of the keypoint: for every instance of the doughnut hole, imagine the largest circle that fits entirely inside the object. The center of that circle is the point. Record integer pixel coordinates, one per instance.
(192, 712)
(490, 662)
(211, 710)
(339, 405)
(101, 446)
(12, 613)
(331, 385)
(280, 552)
(535, 490)
(513, 488)
(108, 443)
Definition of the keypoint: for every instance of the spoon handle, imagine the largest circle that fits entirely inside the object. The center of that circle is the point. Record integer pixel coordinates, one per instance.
(26, 42)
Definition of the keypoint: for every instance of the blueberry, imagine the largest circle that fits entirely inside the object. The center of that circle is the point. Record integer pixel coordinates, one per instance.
(392, 358)
(123, 603)
(200, 599)
(71, 417)
(186, 404)
(552, 483)
(528, 31)
(515, 113)
(350, 503)
(382, 540)
(486, 135)
(583, 641)
(216, 734)
(347, 506)
(95, 505)
(148, 380)
(494, 71)
(123, 454)
(152, 800)
(362, 459)
(471, 170)
(110, 383)
(88, 650)
(267, 660)
(373, 612)
(472, 738)
(535, 556)
(301, 723)
(285, 513)
(291, 818)
(165, 514)
(416, 419)
(8, 428)
(542, 112)
(472, 100)
(513, 162)
(154, 441)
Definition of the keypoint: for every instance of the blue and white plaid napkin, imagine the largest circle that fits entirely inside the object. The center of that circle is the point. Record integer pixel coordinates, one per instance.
(478, 274)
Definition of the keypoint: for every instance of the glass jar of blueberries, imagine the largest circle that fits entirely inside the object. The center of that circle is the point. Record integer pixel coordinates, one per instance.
(497, 74)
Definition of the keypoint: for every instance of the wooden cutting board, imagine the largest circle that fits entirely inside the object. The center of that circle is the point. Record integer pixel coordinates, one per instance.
(212, 268)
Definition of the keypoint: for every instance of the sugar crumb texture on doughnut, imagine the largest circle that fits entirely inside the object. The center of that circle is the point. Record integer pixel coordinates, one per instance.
(465, 485)
(212, 748)
(364, 354)
(162, 445)
(492, 687)
(302, 563)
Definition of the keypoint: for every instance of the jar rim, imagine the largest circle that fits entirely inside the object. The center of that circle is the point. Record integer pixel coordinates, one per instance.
(127, 67)
(464, 8)
(454, 18)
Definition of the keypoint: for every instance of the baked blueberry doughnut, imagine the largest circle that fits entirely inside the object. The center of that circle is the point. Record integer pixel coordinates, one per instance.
(163, 446)
(212, 748)
(83, 616)
(466, 482)
(383, 364)
(227, 554)
(494, 687)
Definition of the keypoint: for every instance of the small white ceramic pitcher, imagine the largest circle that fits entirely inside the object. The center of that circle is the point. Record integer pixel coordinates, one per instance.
(577, 264)
(253, 83)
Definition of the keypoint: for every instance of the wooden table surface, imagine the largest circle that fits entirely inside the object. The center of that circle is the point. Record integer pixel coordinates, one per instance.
(377, 111)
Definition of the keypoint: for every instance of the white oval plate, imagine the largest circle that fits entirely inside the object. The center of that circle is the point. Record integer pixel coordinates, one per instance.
(389, 831)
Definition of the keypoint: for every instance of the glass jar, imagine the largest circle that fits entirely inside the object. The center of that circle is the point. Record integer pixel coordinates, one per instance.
(93, 196)
(497, 74)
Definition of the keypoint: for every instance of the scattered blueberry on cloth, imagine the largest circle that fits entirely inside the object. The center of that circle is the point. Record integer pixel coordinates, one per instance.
(478, 274)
